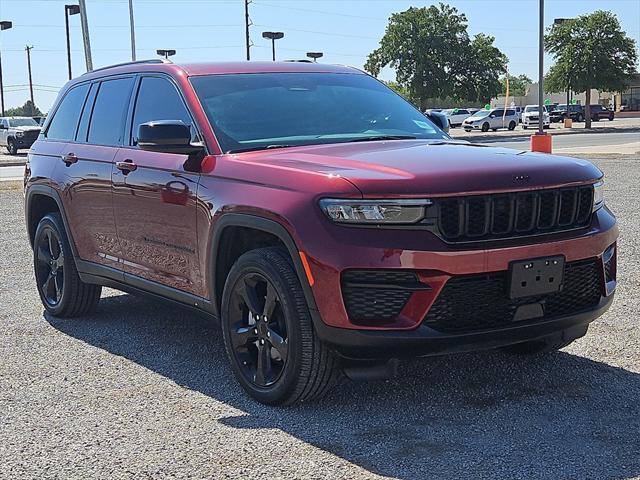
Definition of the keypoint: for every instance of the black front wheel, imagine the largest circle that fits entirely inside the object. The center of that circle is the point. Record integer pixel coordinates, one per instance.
(485, 127)
(62, 292)
(268, 332)
(12, 148)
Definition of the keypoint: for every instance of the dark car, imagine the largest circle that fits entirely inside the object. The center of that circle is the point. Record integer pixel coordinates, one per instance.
(18, 132)
(559, 113)
(326, 223)
(599, 112)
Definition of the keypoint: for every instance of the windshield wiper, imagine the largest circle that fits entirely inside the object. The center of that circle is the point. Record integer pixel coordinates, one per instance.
(383, 137)
(262, 147)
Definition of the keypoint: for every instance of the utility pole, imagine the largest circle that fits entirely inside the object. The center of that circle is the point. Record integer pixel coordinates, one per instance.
(28, 49)
(4, 25)
(85, 35)
(541, 70)
(133, 32)
(246, 28)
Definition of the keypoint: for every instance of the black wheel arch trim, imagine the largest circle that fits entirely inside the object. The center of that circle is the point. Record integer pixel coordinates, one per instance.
(266, 225)
(47, 191)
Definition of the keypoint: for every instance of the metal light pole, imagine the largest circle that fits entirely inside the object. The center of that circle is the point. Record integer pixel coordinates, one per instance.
(133, 32)
(314, 55)
(3, 26)
(69, 10)
(166, 53)
(85, 35)
(247, 22)
(541, 70)
(273, 36)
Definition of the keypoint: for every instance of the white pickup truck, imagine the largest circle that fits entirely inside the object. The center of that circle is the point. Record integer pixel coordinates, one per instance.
(18, 132)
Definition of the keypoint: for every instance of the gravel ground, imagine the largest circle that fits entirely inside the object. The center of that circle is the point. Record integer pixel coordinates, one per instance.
(143, 390)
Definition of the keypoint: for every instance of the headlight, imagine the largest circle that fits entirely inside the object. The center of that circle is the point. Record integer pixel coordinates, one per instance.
(399, 211)
(598, 195)
(19, 134)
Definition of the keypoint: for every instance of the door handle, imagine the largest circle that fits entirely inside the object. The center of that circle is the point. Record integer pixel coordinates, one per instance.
(69, 158)
(126, 166)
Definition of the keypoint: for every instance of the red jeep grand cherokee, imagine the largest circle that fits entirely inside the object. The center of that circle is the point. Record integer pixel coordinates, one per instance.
(328, 224)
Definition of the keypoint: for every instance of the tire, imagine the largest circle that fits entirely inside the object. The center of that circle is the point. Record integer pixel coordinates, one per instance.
(467, 130)
(494, 129)
(485, 127)
(61, 291)
(580, 118)
(12, 148)
(611, 117)
(536, 347)
(546, 127)
(596, 118)
(302, 367)
(512, 125)
(524, 127)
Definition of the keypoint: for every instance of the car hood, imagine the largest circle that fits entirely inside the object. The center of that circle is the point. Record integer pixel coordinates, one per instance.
(26, 128)
(424, 167)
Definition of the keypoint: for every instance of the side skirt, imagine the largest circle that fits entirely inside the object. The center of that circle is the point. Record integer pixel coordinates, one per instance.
(97, 274)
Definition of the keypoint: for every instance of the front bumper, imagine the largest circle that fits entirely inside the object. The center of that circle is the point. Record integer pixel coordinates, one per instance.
(425, 341)
(534, 122)
(22, 142)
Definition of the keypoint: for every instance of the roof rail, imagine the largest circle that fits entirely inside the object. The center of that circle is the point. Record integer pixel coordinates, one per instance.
(137, 62)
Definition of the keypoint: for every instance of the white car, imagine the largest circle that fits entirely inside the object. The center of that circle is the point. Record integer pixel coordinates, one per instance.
(531, 118)
(456, 116)
(491, 119)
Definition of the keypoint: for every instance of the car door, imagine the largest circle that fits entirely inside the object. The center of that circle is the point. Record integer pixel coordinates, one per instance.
(87, 121)
(155, 197)
(496, 121)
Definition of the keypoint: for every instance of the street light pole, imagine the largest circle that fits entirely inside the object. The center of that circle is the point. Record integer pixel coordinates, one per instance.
(541, 70)
(69, 10)
(3, 26)
(273, 36)
(314, 55)
(166, 53)
(133, 32)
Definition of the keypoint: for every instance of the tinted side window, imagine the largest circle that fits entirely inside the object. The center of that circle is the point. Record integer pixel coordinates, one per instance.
(148, 108)
(498, 113)
(65, 121)
(109, 111)
(511, 112)
(83, 128)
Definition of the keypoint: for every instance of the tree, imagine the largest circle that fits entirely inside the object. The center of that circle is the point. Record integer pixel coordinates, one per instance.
(400, 90)
(591, 51)
(24, 111)
(517, 85)
(434, 56)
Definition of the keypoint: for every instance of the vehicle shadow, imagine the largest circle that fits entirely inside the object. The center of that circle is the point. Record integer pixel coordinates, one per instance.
(483, 415)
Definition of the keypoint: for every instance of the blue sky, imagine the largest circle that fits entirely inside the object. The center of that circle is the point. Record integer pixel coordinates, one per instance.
(209, 30)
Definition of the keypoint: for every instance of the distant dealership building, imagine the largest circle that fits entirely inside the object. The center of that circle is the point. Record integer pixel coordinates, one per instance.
(628, 100)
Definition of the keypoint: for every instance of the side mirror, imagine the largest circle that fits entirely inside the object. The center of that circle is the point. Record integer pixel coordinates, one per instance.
(167, 136)
(3, 126)
(439, 119)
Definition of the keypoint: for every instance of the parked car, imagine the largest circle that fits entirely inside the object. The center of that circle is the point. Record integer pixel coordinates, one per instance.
(456, 116)
(531, 117)
(17, 133)
(559, 113)
(491, 119)
(599, 112)
(325, 244)
(519, 111)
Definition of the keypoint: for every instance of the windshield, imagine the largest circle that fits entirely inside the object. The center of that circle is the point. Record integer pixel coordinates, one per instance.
(268, 110)
(532, 108)
(481, 113)
(23, 122)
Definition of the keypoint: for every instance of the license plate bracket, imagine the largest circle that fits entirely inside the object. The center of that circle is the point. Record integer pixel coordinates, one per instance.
(537, 276)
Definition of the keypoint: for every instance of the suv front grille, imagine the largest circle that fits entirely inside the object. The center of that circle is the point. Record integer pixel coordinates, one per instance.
(377, 295)
(488, 217)
(479, 302)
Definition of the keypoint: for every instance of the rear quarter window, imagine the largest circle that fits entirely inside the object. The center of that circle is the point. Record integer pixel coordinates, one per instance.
(64, 123)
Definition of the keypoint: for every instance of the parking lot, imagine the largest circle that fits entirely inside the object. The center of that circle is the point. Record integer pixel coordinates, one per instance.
(143, 390)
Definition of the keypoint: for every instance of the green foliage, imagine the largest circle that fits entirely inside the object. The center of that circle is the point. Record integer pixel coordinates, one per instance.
(24, 111)
(434, 57)
(517, 85)
(591, 51)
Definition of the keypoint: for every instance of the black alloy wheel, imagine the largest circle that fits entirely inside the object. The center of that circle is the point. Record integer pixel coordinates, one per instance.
(61, 290)
(258, 330)
(268, 332)
(485, 127)
(12, 148)
(49, 266)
